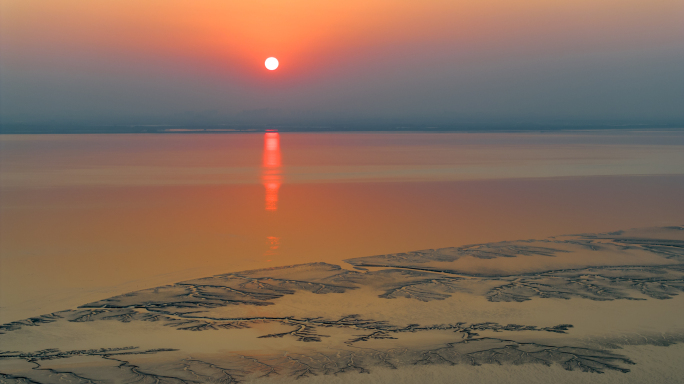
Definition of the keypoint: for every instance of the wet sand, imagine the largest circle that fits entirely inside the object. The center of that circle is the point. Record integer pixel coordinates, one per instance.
(601, 307)
(109, 241)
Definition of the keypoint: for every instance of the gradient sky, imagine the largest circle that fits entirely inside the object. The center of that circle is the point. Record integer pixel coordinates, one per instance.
(437, 61)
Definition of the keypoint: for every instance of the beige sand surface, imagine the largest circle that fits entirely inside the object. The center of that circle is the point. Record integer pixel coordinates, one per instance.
(601, 308)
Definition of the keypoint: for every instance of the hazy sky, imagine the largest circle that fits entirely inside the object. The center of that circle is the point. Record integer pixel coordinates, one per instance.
(435, 61)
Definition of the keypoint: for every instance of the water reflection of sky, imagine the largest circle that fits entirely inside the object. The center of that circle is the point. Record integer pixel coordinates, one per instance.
(166, 160)
(88, 213)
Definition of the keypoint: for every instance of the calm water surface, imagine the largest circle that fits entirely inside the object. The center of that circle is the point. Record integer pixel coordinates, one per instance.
(84, 217)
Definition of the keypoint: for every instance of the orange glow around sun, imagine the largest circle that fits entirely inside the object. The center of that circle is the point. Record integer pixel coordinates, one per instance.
(232, 38)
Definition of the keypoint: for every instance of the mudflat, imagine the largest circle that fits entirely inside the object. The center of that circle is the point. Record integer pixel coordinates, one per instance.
(593, 307)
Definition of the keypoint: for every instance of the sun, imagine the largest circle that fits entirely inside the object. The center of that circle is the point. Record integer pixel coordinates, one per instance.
(271, 63)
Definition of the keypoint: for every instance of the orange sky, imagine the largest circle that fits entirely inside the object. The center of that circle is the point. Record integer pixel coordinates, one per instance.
(246, 32)
(316, 42)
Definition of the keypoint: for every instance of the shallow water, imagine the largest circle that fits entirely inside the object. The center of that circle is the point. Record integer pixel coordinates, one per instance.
(84, 217)
(117, 250)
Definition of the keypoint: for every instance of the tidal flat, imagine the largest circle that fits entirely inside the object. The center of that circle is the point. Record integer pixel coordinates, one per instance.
(372, 258)
(586, 303)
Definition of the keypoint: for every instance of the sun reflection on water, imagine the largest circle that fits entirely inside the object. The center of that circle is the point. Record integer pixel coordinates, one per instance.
(271, 178)
(271, 175)
(273, 244)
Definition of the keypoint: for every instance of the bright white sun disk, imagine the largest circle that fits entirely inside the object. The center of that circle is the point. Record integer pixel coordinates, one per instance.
(271, 63)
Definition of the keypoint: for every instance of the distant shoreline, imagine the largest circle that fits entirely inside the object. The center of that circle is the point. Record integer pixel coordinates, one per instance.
(185, 129)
